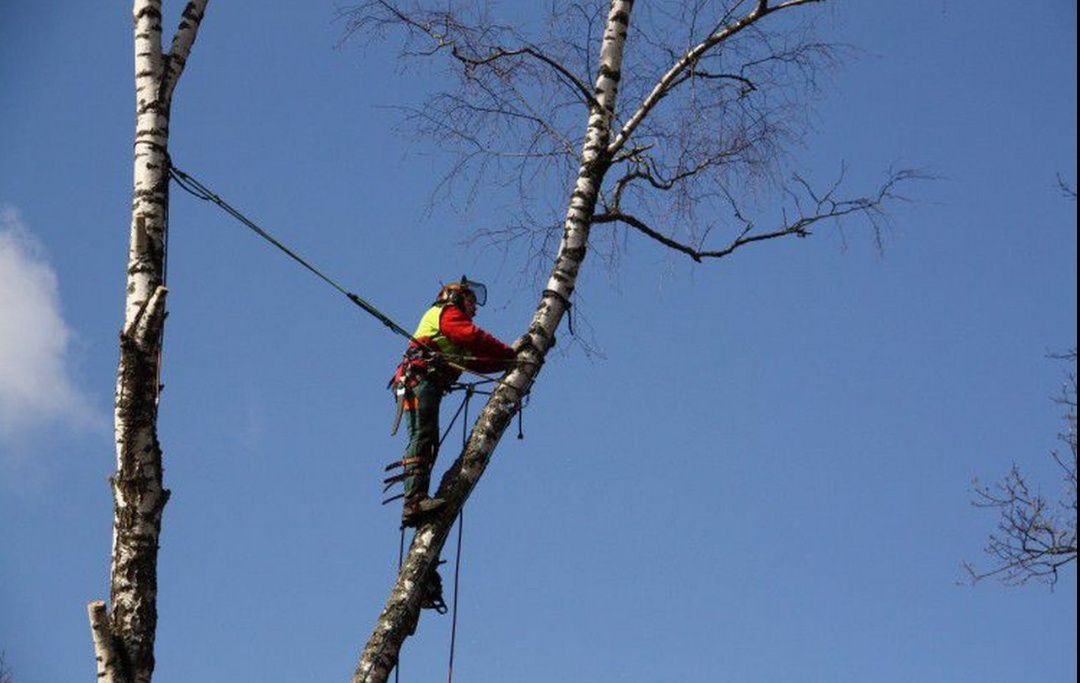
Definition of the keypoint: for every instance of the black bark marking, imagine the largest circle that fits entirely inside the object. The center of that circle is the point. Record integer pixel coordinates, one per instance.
(609, 73)
(539, 331)
(153, 196)
(575, 254)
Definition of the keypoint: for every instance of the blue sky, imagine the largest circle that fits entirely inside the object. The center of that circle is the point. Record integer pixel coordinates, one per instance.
(765, 478)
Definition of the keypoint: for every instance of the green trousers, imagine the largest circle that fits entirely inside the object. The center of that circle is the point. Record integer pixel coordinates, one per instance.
(422, 418)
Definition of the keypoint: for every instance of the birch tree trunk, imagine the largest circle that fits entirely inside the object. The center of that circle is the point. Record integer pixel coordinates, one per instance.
(401, 614)
(124, 635)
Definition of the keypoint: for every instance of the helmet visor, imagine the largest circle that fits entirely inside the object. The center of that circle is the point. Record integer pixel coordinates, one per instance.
(478, 289)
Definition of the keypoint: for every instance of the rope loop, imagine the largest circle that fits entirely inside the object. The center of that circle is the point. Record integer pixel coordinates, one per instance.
(567, 304)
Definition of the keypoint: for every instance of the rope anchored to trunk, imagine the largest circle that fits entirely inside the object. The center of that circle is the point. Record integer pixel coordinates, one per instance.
(197, 189)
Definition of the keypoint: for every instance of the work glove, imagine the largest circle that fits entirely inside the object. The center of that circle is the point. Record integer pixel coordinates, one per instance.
(521, 343)
(524, 341)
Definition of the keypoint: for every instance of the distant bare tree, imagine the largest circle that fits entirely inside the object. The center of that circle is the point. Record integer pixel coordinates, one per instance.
(715, 93)
(1067, 190)
(5, 673)
(1036, 535)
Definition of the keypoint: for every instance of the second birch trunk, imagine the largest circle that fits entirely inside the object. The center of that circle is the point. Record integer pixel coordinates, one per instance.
(124, 634)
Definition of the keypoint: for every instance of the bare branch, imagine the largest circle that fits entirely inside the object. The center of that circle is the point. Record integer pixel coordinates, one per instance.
(648, 170)
(5, 672)
(748, 85)
(465, 43)
(825, 207)
(688, 61)
(184, 38)
(641, 227)
(511, 107)
(1067, 190)
(1035, 536)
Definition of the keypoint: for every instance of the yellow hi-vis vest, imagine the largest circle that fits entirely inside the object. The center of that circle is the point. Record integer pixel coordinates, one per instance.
(429, 329)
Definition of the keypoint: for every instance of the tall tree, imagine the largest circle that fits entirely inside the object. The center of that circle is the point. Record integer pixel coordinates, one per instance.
(124, 634)
(714, 89)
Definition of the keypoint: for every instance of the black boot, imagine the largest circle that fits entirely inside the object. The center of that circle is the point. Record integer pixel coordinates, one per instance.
(418, 508)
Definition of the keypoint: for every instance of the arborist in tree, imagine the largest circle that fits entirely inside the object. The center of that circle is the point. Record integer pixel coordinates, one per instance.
(445, 343)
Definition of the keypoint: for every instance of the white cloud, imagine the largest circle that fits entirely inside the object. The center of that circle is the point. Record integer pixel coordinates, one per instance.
(36, 389)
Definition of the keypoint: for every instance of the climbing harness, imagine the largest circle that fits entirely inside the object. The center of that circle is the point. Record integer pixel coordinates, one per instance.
(419, 362)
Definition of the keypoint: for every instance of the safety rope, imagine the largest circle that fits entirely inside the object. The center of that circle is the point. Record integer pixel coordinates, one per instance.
(164, 283)
(199, 190)
(454, 612)
(457, 555)
(400, 560)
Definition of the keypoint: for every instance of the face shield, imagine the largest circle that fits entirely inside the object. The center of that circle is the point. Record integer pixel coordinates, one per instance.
(477, 288)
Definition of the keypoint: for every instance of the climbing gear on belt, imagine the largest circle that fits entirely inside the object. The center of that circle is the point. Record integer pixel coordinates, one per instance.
(401, 395)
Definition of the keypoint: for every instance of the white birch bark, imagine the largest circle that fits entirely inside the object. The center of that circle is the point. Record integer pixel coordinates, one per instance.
(124, 645)
(401, 614)
(108, 666)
